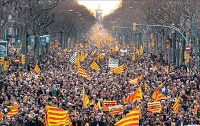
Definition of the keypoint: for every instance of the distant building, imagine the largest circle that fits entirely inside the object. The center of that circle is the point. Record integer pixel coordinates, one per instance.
(99, 14)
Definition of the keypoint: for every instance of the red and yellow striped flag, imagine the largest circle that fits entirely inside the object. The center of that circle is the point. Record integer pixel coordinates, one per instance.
(145, 86)
(154, 107)
(136, 80)
(131, 119)
(117, 109)
(107, 104)
(158, 95)
(134, 96)
(98, 106)
(57, 117)
(176, 105)
(154, 68)
(119, 69)
(82, 72)
(11, 76)
(14, 110)
(95, 66)
(85, 98)
(196, 108)
(133, 57)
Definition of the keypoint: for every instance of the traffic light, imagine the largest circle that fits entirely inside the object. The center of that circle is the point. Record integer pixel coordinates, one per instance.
(134, 26)
(23, 59)
(2, 60)
(6, 65)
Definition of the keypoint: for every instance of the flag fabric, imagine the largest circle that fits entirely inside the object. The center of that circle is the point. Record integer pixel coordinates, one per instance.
(119, 69)
(137, 95)
(98, 45)
(133, 48)
(154, 107)
(85, 98)
(160, 92)
(56, 117)
(95, 66)
(82, 57)
(1, 115)
(154, 68)
(101, 55)
(131, 119)
(92, 102)
(141, 50)
(137, 51)
(167, 70)
(133, 57)
(98, 106)
(196, 108)
(107, 104)
(136, 80)
(73, 58)
(145, 86)
(116, 48)
(117, 109)
(11, 76)
(10, 110)
(37, 69)
(75, 111)
(176, 105)
(82, 72)
(77, 61)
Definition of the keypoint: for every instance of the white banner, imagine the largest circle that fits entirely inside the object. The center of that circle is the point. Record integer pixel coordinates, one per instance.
(113, 63)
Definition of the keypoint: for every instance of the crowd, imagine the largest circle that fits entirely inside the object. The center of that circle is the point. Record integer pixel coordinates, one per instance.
(58, 84)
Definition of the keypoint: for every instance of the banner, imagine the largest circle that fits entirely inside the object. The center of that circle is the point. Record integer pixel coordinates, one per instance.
(42, 40)
(113, 63)
(3, 48)
(154, 107)
(107, 104)
(117, 109)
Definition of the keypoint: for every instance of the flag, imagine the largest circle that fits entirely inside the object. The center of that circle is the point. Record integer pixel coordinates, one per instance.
(98, 106)
(116, 48)
(113, 49)
(133, 57)
(141, 50)
(95, 66)
(1, 115)
(77, 60)
(117, 109)
(107, 104)
(82, 57)
(82, 72)
(136, 80)
(10, 110)
(37, 69)
(119, 69)
(145, 86)
(75, 111)
(73, 58)
(137, 51)
(176, 105)
(92, 102)
(56, 117)
(154, 107)
(160, 92)
(85, 98)
(98, 45)
(20, 74)
(101, 55)
(196, 108)
(167, 70)
(133, 48)
(131, 119)
(154, 68)
(11, 76)
(137, 95)
(194, 72)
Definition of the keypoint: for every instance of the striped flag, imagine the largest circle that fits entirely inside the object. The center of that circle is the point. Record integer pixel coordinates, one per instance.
(176, 105)
(73, 58)
(82, 72)
(136, 80)
(154, 68)
(154, 107)
(137, 95)
(131, 119)
(57, 117)
(107, 104)
(196, 108)
(11, 76)
(167, 70)
(117, 109)
(11, 110)
(119, 69)
(141, 50)
(76, 62)
(98, 106)
(85, 98)
(95, 66)
(160, 92)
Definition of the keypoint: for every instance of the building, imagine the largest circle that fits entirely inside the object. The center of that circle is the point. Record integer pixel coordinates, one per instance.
(99, 14)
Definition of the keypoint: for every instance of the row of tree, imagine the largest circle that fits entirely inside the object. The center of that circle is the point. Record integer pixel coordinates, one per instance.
(58, 18)
(182, 14)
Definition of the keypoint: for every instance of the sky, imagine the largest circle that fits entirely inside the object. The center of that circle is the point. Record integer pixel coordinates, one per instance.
(106, 5)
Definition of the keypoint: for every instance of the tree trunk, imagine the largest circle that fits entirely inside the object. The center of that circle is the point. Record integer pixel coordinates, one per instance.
(36, 49)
